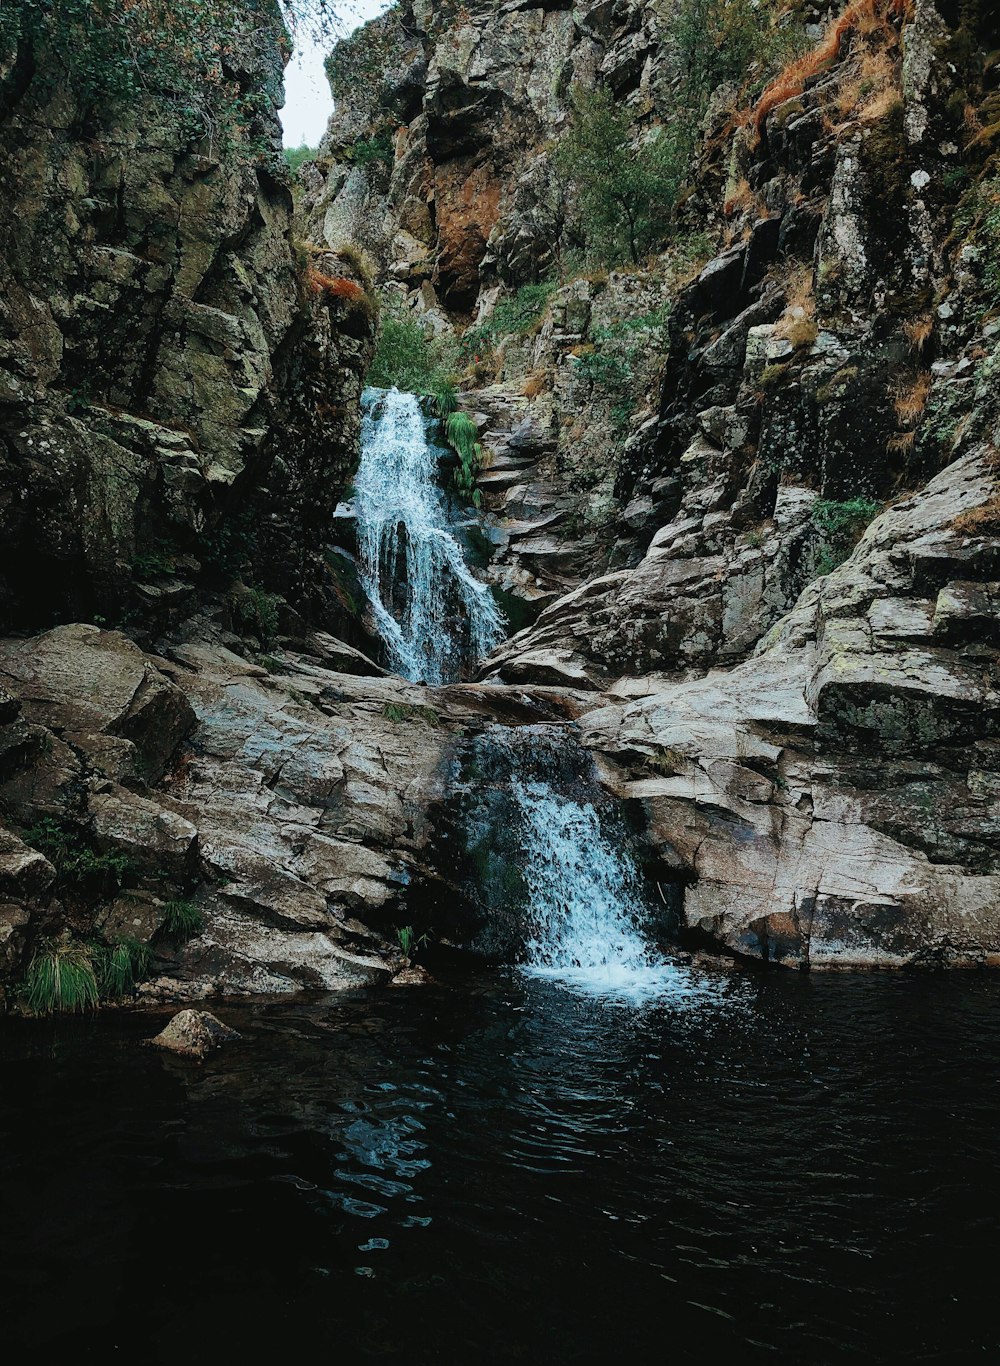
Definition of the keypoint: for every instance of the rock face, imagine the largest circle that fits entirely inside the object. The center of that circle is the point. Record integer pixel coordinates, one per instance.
(742, 497)
(162, 354)
(831, 802)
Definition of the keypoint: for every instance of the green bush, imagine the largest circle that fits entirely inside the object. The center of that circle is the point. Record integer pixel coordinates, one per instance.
(729, 40)
(408, 358)
(840, 524)
(518, 315)
(80, 867)
(625, 184)
(60, 978)
(611, 365)
(377, 149)
(258, 611)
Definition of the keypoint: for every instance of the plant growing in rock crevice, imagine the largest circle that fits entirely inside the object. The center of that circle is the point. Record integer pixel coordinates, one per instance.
(463, 437)
(81, 869)
(181, 920)
(840, 525)
(120, 966)
(410, 942)
(60, 978)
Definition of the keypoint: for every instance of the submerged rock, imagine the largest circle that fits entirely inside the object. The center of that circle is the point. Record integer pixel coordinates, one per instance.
(194, 1034)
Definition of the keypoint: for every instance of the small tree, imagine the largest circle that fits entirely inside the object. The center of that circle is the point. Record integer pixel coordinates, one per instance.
(625, 188)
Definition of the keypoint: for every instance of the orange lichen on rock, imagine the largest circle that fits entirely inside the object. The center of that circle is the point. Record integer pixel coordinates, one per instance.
(334, 286)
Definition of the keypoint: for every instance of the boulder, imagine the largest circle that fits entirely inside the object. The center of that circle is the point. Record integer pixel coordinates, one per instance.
(194, 1034)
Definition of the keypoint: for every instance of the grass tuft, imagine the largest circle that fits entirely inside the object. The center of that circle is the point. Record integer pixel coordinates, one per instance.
(60, 979)
(120, 966)
(181, 920)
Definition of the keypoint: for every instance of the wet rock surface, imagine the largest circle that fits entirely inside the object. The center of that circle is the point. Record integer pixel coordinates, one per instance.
(194, 1034)
(201, 750)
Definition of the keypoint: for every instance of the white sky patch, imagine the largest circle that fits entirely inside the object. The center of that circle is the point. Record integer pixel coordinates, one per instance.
(308, 102)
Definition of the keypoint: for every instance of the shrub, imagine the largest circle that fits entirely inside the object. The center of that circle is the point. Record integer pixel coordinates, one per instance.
(153, 564)
(518, 315)
(80, 867)
(369, 151)
(840, 524)
(181, 920)
(60, 978)
(721, 40)
(257, 611)
(625, 187)
(407, 357)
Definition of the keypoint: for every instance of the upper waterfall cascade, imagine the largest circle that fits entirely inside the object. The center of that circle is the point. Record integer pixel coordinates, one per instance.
(429, 608)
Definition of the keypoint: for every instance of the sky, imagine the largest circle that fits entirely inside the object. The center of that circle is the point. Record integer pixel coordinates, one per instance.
(308, 102)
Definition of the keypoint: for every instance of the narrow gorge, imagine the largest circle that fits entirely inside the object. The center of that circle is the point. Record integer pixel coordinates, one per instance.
(502, 606)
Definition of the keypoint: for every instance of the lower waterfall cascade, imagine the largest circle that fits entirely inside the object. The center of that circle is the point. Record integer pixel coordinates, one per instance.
(552, 855)
(430, 610)
(584, 902)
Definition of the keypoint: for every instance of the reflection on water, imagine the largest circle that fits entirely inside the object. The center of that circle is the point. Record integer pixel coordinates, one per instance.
(503, 1171)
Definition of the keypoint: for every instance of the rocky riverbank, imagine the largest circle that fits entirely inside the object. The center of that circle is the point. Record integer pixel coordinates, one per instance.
(741, 496)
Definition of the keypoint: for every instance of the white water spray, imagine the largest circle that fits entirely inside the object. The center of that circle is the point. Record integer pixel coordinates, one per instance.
(429, 609)
(584, 906)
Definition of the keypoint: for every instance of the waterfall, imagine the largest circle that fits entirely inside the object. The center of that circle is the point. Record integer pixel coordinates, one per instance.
(551, 854)
(429, 609)
(585, 904)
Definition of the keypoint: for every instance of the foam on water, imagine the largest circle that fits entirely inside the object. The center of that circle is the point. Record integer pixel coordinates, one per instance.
(431, 612)
(585, 905)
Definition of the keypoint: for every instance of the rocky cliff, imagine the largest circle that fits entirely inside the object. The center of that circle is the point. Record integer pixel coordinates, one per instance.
(179, 384)
(741, 491)
(682, 457)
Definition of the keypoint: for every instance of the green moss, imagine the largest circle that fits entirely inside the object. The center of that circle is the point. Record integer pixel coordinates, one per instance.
(838, 385)
(772, 377)
(397, 712)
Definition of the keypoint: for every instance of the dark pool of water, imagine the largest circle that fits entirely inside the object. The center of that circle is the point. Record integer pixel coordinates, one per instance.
(498, 1171)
